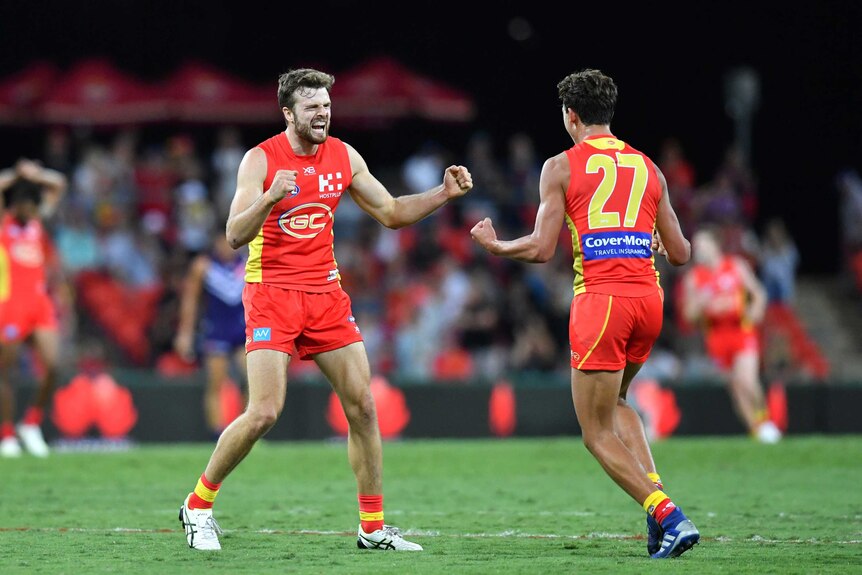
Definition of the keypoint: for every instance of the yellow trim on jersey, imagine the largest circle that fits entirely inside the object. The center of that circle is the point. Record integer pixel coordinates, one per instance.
(5, 277)
(376, 516)
(601, 333)
(578, 264)
(657, 273)
(607, 143)
(254, 266)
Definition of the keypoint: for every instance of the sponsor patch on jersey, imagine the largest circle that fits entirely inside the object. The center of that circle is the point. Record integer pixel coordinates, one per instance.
(295, 191)
(261, 334)
(618, 244)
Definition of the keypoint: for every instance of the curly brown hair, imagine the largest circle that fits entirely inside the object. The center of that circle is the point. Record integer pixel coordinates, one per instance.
(591, 94)
(293, 80)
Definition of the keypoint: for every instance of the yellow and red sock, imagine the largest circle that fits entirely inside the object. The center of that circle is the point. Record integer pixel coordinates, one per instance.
(204, 494)
(7, 429)
(371, 512)
(654, 477)
(659, 505)
(33, 416)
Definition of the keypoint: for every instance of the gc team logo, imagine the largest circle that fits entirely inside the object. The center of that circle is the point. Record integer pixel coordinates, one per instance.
(305, 221)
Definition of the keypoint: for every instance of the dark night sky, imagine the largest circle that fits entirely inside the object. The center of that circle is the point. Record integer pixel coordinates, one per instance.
(669, 62)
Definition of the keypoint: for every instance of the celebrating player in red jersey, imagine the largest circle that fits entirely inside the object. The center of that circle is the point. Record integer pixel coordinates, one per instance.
(614, 199)
(288, 189)
(26, 309)
(724, 296)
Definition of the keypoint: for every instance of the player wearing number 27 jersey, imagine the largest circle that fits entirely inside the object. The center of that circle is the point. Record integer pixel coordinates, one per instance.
(613, 199)
(611, 205)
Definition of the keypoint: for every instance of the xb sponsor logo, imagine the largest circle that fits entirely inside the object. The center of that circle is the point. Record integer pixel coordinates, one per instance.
(305, 221)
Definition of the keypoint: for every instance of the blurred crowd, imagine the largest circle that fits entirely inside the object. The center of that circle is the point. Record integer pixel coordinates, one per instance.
(430, 304)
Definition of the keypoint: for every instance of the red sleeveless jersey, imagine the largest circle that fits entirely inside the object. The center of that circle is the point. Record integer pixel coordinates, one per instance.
(725, 291)
(25, 250)
(611, 206)
(294, 248)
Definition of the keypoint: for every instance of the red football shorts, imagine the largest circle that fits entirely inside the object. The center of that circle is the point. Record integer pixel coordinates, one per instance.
(724, 343)
(19, 318)
(608, 331)
(297, 322)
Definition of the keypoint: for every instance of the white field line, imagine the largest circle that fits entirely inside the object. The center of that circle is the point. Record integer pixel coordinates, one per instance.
(430, 533)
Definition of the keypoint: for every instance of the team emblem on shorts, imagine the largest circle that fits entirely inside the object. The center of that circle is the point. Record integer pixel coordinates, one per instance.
(262, 334)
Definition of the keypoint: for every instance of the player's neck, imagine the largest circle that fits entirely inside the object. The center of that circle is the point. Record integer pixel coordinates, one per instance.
(299, 145)
(585, 132)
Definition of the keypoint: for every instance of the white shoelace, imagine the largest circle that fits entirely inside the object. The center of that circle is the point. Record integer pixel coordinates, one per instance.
(211, 527)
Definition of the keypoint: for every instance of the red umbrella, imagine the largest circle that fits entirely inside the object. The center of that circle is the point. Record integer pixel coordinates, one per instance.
(94, 92)
(381, 91)
(20, 92)
(201, 93)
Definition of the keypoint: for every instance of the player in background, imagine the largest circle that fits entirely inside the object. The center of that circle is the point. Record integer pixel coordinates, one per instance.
(724, 297)
(211, 299)
(27, 312)
(615, 202)
(288, 188)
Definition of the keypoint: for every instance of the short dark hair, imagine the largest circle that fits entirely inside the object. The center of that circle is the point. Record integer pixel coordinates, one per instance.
(22, 191)
(591, 94)
(293, 80)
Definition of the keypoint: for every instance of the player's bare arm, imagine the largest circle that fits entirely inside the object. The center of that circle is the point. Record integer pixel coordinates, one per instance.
(394, 213)
(693, 302)
(251, 205)
(540, 245)
(188, 312)
(757, 293)
(674, 245)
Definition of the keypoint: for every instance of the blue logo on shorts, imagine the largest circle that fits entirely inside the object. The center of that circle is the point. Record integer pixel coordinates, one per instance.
(261, 334)
(619, 244)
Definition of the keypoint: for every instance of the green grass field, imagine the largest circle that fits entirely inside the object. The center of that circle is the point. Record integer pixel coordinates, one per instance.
(485, 506)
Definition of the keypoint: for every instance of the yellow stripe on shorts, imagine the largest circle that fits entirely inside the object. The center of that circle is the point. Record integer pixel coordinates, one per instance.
(601, 333)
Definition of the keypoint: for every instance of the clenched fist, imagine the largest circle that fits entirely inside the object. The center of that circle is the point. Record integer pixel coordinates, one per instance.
(283, 183)
(457, 181)
(484, 234)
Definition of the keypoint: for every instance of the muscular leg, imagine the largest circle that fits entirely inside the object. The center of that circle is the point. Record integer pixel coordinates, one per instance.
(267, 385)
(47, 342)
(745, 390)
(348, 371)
(8, 355)
(217, 367)
(628, 424)
(595, 395)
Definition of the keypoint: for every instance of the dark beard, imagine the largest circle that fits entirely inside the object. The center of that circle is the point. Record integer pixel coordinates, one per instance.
(305, 133)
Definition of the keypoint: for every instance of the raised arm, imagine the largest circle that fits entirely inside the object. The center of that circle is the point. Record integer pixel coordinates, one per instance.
(251, 205)
(674, 245)
(373, 197)
(540, 245)
(53, 182)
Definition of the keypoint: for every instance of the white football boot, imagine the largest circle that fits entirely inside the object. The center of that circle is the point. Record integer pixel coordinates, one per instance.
(31, 437)
(768, 432)
(389, 539)
(10, 447)
(202, 530)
